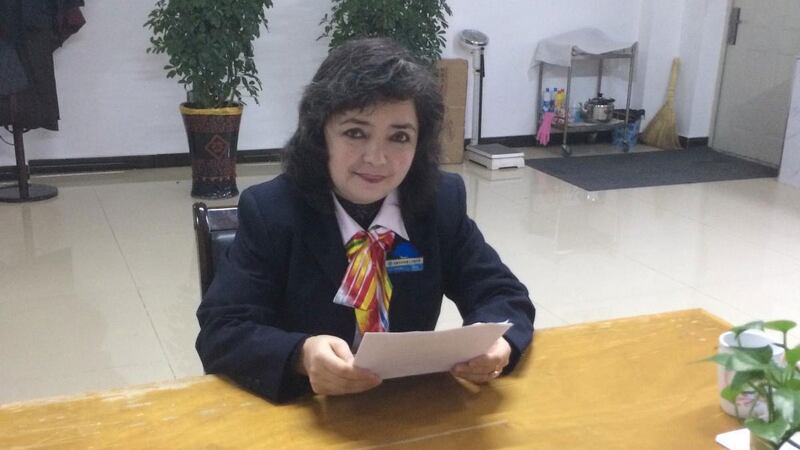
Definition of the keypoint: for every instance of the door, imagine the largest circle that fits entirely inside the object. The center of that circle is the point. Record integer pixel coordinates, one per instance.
(756, 80)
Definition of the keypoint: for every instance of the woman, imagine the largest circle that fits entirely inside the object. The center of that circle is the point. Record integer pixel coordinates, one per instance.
(362, 233)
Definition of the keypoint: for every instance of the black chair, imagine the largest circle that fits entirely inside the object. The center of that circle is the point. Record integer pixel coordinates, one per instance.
(214, 229)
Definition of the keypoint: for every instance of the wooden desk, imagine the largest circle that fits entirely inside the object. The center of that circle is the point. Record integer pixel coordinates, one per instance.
(628, 383)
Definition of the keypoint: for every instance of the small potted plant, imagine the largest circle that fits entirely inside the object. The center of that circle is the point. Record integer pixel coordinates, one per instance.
(210, 49)
(775, 383)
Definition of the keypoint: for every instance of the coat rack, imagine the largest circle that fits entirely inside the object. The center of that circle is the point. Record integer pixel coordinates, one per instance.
(24, 191)
(25, 28)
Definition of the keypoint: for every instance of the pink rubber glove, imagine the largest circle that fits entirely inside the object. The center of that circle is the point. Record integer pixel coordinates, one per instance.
(543, 135)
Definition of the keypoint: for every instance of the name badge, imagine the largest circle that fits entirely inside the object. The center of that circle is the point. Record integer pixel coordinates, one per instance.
(404, 258)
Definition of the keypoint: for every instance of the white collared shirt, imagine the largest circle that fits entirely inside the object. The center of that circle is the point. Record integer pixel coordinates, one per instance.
(388, 217)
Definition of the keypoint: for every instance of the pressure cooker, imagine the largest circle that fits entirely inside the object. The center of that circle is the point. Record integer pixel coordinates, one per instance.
(598, 109)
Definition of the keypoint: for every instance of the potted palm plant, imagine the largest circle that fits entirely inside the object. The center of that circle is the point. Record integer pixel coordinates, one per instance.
(210, 49)
(775, 383)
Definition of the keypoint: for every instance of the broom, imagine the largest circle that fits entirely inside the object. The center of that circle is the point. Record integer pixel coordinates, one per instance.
(661, 132)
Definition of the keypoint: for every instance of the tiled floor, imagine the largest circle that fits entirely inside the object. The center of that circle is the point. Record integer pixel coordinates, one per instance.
(99, 286)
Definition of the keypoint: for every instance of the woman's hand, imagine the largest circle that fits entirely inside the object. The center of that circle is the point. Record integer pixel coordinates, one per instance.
(328, 362)
(486, 367)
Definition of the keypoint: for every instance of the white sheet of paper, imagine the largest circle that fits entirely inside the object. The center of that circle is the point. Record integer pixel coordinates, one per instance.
(740, 440)
(393, 355)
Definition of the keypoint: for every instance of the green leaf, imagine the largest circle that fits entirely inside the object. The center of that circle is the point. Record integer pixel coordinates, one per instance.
(787, 405)
(775, 375)
(755, 325)
(723, 359)
(780, 325)
(747, 359)
(772, 431)
(729, 393)
(793, 356)
(741, 380)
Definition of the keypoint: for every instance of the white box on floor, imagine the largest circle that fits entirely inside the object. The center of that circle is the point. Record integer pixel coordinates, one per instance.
(495, 156)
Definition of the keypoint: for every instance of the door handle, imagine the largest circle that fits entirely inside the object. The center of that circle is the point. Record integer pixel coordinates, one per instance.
(733, 25)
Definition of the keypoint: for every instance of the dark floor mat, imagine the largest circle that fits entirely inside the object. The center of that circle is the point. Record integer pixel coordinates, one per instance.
(658, 168)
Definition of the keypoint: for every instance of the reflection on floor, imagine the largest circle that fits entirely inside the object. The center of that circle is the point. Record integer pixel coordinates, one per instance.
(100, 284)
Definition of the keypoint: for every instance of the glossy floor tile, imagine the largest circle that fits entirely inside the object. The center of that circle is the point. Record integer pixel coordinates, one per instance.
(100, 284)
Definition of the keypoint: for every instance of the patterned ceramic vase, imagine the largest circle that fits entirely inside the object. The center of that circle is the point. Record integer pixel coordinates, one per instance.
(213, 134)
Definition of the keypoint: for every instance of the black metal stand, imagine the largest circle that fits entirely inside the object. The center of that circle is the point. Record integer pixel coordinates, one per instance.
(480, 97)
(24, 191)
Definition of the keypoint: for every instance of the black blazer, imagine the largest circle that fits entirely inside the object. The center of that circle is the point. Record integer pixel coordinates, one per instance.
(277, 283)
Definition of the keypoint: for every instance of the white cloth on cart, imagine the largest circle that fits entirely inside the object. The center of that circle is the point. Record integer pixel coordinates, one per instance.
(557, 50)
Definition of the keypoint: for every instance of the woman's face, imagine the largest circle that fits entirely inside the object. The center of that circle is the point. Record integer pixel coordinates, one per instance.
(371, 150)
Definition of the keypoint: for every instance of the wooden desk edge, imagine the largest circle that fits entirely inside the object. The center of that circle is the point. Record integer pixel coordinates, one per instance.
(645, 317)
(182, 383)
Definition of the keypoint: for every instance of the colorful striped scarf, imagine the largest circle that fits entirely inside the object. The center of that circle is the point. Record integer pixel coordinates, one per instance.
(366, 286)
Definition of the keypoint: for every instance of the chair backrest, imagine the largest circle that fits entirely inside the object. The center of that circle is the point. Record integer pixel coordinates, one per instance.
(214, 229)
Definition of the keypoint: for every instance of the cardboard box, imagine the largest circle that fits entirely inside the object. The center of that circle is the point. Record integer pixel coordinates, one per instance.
(453, 77)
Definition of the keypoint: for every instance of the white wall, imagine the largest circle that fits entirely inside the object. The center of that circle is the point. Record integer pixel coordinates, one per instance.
(702, 41)
(790, 160)
(692, 30)
(659, 42)
(514, 28)
(115, 99)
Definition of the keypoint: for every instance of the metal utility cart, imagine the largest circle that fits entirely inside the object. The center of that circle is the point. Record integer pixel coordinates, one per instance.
(581, 45)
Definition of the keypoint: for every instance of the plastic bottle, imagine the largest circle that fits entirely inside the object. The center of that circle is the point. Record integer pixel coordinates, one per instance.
(546, 100)
(576, 113)
(560, 102)
(553, 99)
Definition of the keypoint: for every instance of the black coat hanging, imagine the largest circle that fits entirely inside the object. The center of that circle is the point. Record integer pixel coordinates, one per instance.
(30, 30)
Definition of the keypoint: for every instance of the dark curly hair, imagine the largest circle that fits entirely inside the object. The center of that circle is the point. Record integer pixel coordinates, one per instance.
(359, 74)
